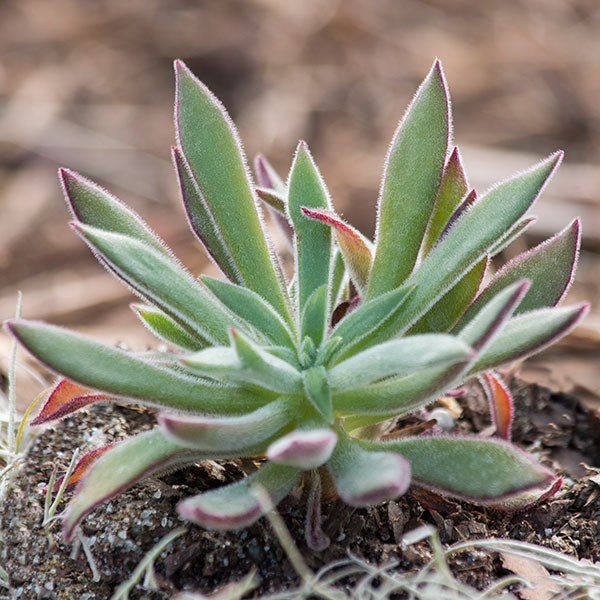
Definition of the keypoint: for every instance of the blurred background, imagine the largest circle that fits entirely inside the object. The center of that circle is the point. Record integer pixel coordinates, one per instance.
(89, 85)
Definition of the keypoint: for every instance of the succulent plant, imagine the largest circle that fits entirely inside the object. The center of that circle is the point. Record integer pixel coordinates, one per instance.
(300, 372)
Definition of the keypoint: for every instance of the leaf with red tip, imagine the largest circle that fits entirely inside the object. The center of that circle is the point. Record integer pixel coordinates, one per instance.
(448, 309)
(412, 174)
(235, 506)
(82, 467)
(363, 477)
(304, 448)
(501, 403)
(453, 188)
(120, 467)
(201, 219)
(230, 433)
(472, 468)
(549, 266)
(356, 249)
(65, 398)
(211, 144)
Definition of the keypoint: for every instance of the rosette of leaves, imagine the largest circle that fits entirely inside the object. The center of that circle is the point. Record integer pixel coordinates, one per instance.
(298, 371)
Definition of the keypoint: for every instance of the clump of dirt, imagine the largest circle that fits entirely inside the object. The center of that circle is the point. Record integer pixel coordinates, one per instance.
(558, 429)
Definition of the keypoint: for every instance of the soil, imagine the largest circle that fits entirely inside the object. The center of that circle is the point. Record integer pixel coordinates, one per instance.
(555, 427)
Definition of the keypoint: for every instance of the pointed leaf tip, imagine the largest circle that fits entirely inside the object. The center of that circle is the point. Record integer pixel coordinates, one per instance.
(65, 398)
(501, 404)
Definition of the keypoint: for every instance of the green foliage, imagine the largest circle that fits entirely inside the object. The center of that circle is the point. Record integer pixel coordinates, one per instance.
(301, 372)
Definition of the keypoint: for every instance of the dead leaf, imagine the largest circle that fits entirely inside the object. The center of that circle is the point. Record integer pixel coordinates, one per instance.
(532, 571)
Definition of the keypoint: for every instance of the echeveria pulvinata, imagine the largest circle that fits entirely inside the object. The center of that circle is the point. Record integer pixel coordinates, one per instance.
(302, 369)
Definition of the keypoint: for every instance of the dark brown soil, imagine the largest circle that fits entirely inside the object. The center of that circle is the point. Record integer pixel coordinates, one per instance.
(554, 426)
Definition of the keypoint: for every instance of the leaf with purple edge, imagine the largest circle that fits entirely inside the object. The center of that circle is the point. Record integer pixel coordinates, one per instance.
(120, 467)
(412, 174)
(93, 205)
(501, 403)
(453, 188)
(380, 401)
(201, 220)
(472, 468)
(356, 249)
(397, 358)
(549, 266)
(313, 240)
(364, 477)
(212, 147)
(470, 239)
(303, 448)
(235, 506)
(65, 398)
(464, 205)
(512, 234)
(528, 334)
(448, 309)
(167, 329)
(229, 433)
(161, 281)
(316, 539)
(121, 373)
(81, 468)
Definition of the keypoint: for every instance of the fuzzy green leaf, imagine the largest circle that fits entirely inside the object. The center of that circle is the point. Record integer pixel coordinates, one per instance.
(363, 477)
(549, 267)
(480, 470)
(93, 205)
(339, 280)
(401, 395)
(235, 506)
(471, 237)
(370, 318)
(453, 188)
(527, 334)
(120, 467)
(211, 145)
(118, 372)
(245, 362)
(313, 244)
(314, 317)
(512, 234)
(317, 390)
(275, 200)
(201, 220)
(410, 182)
(162, 281)
(230, 433)
(448, 309)
(166, 329)
(251, 308)
(396, 358)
